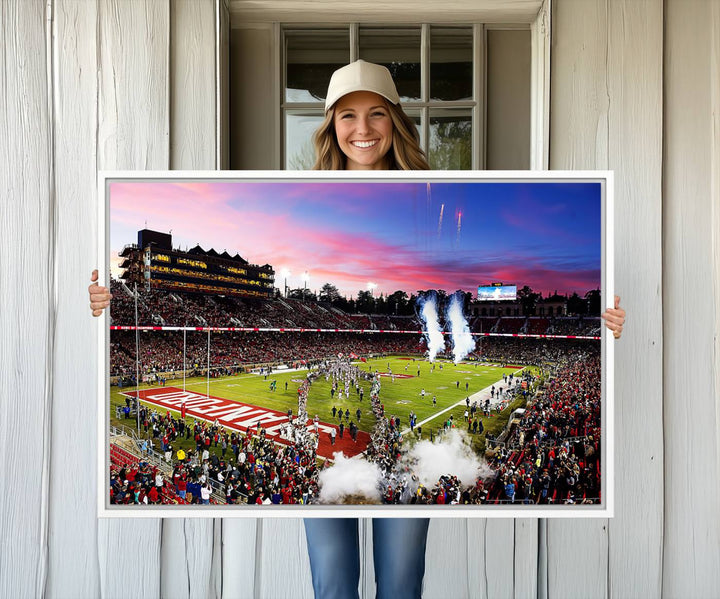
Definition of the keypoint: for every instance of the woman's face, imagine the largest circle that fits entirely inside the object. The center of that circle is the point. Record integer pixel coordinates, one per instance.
(364, 130)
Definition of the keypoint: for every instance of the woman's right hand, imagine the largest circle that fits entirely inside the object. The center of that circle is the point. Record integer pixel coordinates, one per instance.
(99, 296)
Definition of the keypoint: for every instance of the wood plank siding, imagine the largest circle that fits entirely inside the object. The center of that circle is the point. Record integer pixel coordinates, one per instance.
(143, 84)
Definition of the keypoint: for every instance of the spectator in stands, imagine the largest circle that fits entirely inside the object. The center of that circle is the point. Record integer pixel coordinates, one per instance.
(205, 493)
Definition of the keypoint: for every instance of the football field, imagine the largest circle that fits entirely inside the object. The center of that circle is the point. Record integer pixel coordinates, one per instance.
(402, 393)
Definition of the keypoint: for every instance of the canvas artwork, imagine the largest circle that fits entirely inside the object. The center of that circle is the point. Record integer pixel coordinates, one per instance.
(314, 344)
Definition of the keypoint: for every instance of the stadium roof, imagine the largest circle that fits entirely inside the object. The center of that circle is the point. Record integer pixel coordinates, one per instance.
(199, 251)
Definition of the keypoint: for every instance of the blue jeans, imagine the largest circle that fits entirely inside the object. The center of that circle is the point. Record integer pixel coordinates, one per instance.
(398, 551)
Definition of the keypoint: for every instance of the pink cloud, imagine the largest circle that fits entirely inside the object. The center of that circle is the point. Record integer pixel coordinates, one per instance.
(243, 219)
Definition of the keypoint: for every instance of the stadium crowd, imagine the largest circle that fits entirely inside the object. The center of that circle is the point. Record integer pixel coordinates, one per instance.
(163, 308)
(537, 325)
(230, 351)
(552, 456)
(162, 351)
(244, 467)
(160, 307)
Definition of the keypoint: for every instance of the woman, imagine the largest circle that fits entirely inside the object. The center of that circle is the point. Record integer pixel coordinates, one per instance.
(365, 129)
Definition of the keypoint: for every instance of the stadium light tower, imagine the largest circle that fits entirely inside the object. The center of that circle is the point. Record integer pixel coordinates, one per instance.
(371, 286)
(285, 273)
(305, 278)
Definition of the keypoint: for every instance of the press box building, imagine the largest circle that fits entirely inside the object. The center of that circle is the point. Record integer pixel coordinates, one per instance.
(153, 263)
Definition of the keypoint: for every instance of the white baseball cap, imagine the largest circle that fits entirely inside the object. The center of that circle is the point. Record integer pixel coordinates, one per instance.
(361, 76)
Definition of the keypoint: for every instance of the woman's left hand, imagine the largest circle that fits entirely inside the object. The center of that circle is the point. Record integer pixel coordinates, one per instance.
(615, 318)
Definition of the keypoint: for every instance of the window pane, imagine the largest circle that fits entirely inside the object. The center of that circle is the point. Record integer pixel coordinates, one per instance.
(415, 117)
(299, 150)
(451, 55)
(311, 58)
(399, 51)
(450, 139)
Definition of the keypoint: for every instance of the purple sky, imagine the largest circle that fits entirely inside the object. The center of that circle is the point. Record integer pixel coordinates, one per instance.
(545, 235)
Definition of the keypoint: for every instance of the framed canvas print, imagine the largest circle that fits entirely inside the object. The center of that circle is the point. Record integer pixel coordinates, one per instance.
(285, 344)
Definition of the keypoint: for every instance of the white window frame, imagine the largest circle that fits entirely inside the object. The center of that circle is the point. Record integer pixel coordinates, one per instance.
(539, 25)
(475, 107)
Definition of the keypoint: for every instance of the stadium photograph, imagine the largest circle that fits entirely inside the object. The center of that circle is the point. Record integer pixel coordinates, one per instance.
(385, 343)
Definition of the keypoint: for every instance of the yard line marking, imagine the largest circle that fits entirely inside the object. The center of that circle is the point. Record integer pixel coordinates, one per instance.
(478, 395)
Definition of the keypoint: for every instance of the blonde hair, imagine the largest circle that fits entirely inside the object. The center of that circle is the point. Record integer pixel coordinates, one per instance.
(404, 155)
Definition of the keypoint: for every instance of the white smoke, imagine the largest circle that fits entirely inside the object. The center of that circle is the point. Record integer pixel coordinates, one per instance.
(432, 330)
(451, 455)
(350, 478)
(463, 342)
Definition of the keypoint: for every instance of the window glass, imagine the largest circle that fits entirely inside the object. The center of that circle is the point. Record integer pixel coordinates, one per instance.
(299, 149)
(451, 63)
(399, 51)
(450, 144)
(434, 68)
(311, 57)
(437, 94)
(414, 115)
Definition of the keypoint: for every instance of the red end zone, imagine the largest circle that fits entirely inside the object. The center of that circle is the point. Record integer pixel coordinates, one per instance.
(239, 416)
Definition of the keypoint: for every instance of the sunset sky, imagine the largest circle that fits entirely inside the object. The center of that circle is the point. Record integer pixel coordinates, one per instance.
(545, 235)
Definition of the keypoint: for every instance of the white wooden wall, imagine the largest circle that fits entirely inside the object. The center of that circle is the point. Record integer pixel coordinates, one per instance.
(691, 297)
(606, 113)
(635, 87)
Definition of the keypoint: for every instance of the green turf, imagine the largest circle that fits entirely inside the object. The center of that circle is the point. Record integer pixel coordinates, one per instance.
(399, 397)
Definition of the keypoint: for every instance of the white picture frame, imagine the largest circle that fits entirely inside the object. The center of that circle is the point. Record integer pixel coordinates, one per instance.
(604, 509)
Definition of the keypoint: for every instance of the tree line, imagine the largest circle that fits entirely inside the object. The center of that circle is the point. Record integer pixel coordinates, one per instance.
(401, 304)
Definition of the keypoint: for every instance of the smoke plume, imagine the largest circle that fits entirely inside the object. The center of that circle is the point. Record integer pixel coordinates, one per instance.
(353, 478)
(462, 341)
(432, 328)
(451, 454)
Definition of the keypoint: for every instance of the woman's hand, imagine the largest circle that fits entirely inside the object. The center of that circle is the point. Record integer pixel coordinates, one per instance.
(615, 318)
(99, 296)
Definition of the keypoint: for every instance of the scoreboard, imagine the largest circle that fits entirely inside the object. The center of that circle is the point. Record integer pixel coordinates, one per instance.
(496, 291)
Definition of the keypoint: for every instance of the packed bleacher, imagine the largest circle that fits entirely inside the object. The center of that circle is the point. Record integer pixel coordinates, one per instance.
(575, 325)
(225, 466)
(553, 454)
(162, 351)
(507, 350)
(158, 307)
